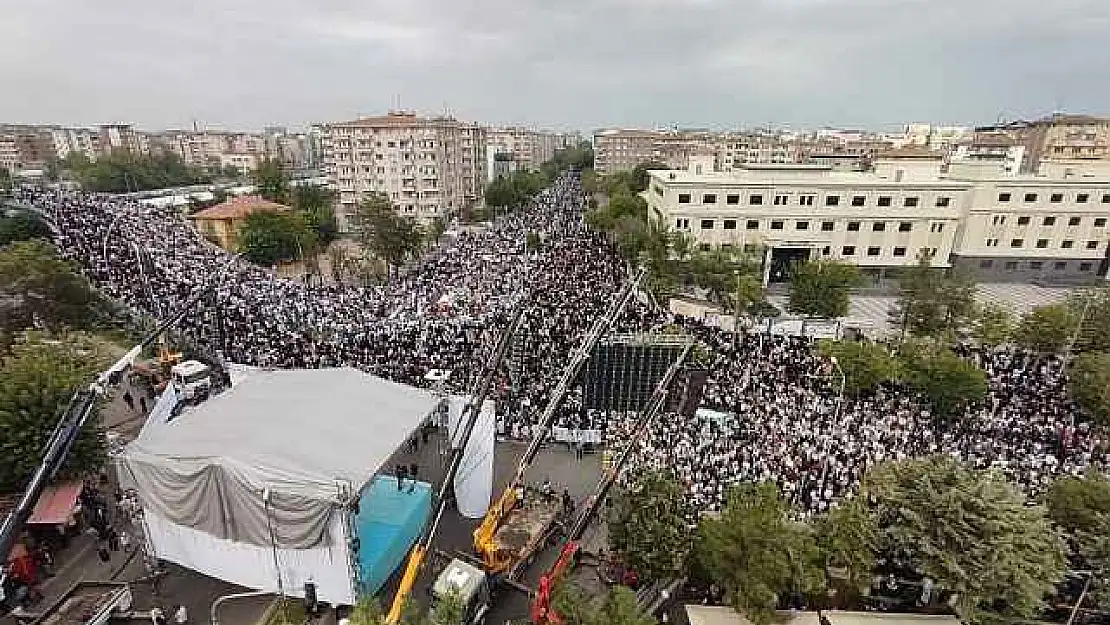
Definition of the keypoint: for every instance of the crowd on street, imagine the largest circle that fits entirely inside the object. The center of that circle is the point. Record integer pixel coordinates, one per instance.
(776, 413)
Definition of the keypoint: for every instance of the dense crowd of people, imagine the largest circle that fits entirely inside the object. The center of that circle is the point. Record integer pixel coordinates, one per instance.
(775, 414)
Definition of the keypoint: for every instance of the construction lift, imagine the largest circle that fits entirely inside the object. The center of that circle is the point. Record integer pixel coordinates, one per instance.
(77, 413)
(515, 527)
(477, 602)
(542, 612)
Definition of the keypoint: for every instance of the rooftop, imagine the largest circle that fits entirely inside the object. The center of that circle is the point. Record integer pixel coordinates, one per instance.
(909, 153)
(790, 173)
(394, 119)
(238, 208)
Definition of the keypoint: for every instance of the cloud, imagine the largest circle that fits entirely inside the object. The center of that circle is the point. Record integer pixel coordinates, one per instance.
(570, 64)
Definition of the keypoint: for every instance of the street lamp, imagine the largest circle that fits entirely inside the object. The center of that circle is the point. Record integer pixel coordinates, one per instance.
(836, 419)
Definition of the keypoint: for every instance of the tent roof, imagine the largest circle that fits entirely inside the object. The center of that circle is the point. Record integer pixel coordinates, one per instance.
(726, 615)
(838, 617)
(282, 427)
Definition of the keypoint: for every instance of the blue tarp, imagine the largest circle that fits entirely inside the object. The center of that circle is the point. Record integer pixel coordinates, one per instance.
(389, 522)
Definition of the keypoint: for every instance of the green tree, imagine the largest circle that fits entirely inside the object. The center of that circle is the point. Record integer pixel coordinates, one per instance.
(392, 238)
(315, 204)
(616, 607)
(949, 382)
(38, 377)
(972, 532)
(21, 225)
(640, 177)
(865, 365)
(821, 288)
(39, 288)
(5, 181)
(994, 325)
(121, 171)
(647, 526)
(847, 537)
(271, 182)
(1080, 506)
(755, 553)
(1092, 306)
(267, 238)
(1046, 329)
(1089, 384)
(931, 302)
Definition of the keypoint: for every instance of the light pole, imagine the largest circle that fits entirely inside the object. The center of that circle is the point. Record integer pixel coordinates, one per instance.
(836, 419)
(736, 313)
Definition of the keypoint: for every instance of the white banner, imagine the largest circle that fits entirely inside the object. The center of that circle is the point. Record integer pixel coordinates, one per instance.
(455, 405)
(474, 481)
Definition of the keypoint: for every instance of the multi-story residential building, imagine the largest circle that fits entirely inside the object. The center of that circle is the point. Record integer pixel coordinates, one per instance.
(81, 141)
(1001, 227)
(997, 148)
(25, 148)
(622, 149)
(1057, 137)
(119, 137)
(527, 148)
(428, 167)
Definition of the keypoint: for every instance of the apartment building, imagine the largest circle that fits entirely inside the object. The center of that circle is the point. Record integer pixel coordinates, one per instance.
(25, 148)
(121, 138)
(429, 167)
(1056, 137)
(527, 148)
(1008, 228)
(623, 149)
(70, 141)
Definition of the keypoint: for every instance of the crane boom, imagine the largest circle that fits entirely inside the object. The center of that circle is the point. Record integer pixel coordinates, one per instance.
(77, 413)
(483, 535)
(467, 421)
(541, 607)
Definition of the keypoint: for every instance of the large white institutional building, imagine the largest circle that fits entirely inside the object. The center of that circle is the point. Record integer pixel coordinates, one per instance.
(1003, 227)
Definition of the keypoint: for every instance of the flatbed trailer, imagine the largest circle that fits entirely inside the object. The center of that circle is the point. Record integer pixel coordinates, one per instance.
(527, 529)
(88, 603)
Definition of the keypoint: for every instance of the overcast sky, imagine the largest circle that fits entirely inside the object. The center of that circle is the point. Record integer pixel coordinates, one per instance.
(573, 64)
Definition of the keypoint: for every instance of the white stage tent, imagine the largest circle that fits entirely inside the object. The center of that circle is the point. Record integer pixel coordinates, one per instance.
(263, 477)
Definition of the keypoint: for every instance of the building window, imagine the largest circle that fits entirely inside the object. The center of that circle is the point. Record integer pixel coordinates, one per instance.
(1030, 197)
(755, 200)
(943, 202)
(707, 224)
(1036, 264)
(992, 242)
(999, 220)
(730, 224)
(1011, 265)
(1049, 221)
(853, 226)
(683, 198)
(780, 200)
(936, 227)
(1042, 243)
(1003, 197)
(704, 247)
(1092, 245)
(858, 200)
(848, 250)
(1074, 221)
(1106, 198)
(825, 251)
(1017, 242)
(909, 202)
(709, 198)
(1056, 198)
(1060, 265)
(1067, 245)
(682, 224)
(899, 251)
(832, 200)
(1023, 221)
(1084, 266)
(986, 263)
(752, 224)
(884, 200)
(659, 191)
(1100, 222)
(873, 251)
(878, 226)
(1082, 198)
(905, 226)
(806, 200)
(827, 226)
(801, 225)
(776, 225)
(732, 199)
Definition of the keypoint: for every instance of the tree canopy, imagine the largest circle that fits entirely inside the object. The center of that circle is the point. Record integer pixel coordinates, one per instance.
(932, 302)
(1080, 506)
(315, 204)
(821, 288)
(122, 171)
(865, 365)
(21, 225)
(267, 238)
(1089, 384)
(847, 536)
(38, 377)
(271, 182)
(392, 238)
(947, 381)
(972, 532)
(647, 526)
(39, 288)
(755, 552)
(1047, 328)
(994, 325)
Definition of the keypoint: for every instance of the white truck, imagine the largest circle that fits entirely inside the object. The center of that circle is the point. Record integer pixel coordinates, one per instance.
(192, 379)
(470, 584)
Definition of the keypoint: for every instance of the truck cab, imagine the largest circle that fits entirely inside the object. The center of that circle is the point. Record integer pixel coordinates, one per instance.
(192, 379)
(470, 584)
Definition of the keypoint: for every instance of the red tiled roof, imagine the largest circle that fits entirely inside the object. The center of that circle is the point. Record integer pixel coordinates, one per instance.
(56, 503)
(239, 207)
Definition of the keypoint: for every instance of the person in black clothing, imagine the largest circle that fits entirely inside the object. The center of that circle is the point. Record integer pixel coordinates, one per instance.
(402, 472)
